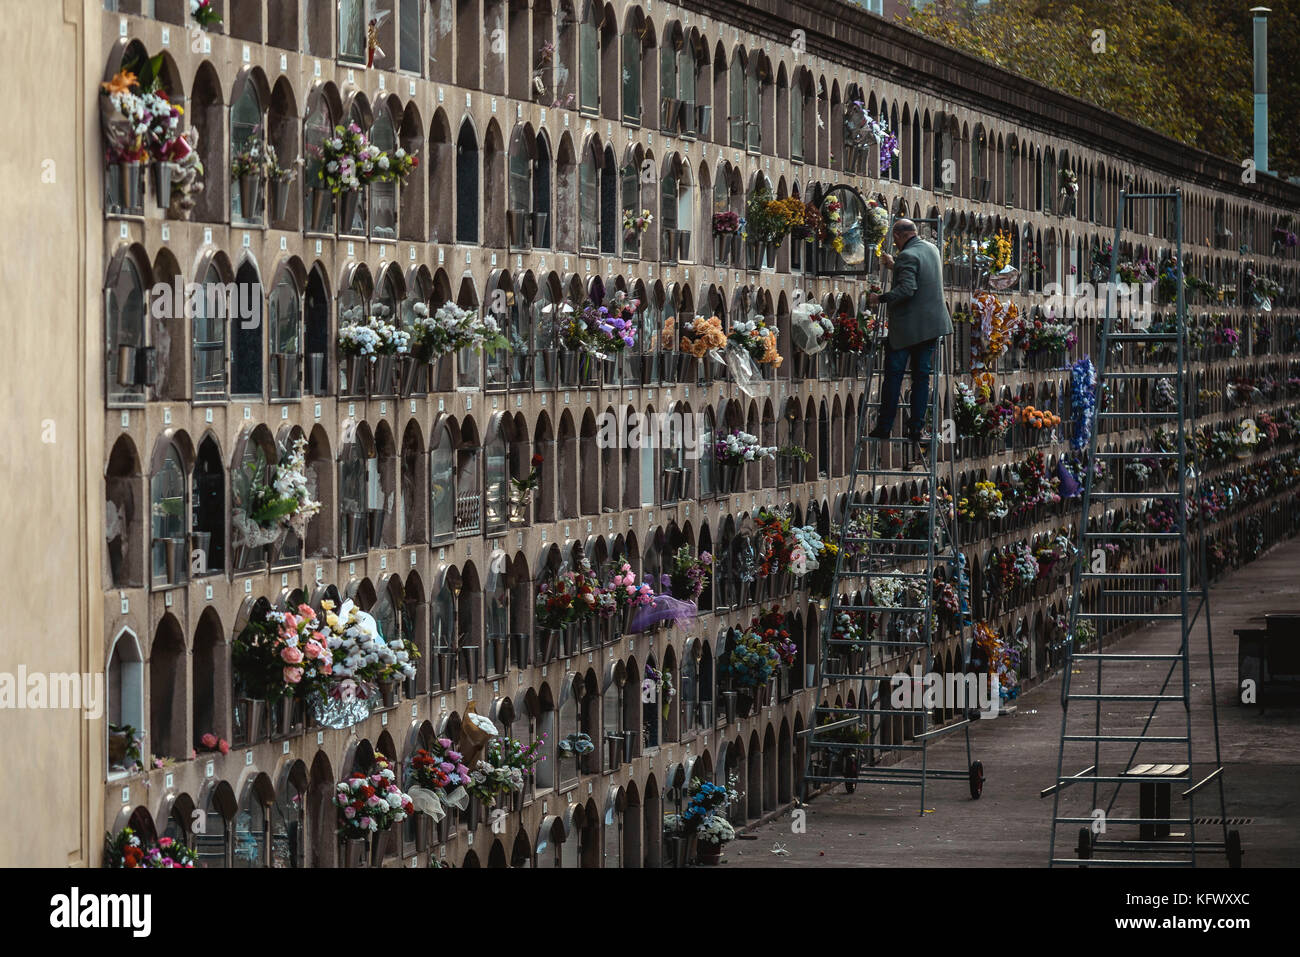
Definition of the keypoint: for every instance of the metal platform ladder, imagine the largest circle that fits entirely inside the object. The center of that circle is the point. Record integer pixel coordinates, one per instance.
(902, 640)
(1125, 728)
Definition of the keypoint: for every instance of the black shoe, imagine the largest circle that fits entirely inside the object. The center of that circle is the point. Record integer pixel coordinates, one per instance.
(878, 433)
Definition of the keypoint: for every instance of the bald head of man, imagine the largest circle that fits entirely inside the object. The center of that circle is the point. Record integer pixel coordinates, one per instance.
(904, 229)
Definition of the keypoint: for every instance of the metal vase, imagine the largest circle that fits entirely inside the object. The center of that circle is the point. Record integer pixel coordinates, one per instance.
(683, 244)
(250, 190)
(388, 689)
(771, 248)
(539, 227)
(322, 203)
(381, 382)
(129, 185)
(126, 365)
(614, 749)
(316, 373)
(409, 373)
(517, 223)
(348, 201)
(162, 183)
(376, 516)
(721, 244)
(279, 195)
(518, 648)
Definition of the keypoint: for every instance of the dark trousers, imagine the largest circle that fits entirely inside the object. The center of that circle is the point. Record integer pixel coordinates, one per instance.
(896, 361)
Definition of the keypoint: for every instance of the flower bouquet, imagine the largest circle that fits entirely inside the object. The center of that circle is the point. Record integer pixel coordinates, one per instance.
(450, 329)
(372, 336)
(285, 655)
(127, 849)
(689, 574)
(752, 661)
(575, 745)
(634, 223)
(726, 223)
(204, 14)
(757, 339)
(264, 510)
(370, 803)
(437, 779)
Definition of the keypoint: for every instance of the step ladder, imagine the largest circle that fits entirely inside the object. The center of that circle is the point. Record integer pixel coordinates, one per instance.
(1126, 717)
(901, 641)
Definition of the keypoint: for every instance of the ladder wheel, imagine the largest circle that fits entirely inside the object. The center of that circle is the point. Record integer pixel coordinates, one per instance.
(1234, 849)
(1085, 844)
(976, 780)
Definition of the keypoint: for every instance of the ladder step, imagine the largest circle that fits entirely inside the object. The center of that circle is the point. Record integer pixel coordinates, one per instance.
(1125, 697)
(1110, 615)
(881, 607)
(1154, 493)
(827, 709)
(1132, 576)
(1142, 337)
(1152, 739)
(861, 540)
(1158, 593)
(1136, 455)
(1132, 535)
(1124, 656)
(1122, 779)
(1126, 820)
(814, 743)
(1118, 862)
(887, 506)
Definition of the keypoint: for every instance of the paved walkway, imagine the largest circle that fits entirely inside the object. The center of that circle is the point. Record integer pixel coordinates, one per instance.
(879, 825)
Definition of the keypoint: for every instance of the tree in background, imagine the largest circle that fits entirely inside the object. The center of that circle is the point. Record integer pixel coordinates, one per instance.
(1183, 69)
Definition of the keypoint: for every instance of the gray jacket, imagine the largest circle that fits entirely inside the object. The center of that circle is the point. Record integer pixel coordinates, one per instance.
(917, 310)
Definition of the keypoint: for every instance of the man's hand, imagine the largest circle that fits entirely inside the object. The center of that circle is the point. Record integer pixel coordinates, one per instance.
(887, 260)
(873, 299)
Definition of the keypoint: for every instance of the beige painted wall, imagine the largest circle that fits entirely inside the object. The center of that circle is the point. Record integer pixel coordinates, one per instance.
(48, 367)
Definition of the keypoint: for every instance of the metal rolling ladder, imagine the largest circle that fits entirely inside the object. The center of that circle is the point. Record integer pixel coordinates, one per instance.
(903, 638)
(1112, 722)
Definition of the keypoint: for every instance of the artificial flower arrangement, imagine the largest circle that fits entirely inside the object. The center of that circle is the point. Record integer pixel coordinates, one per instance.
(265, 510)
(700, 335)
(704, 815)
(739, 448)
(758, 339)
(997, 250)
(521, 489)
(846, 627)
(975, 414)
(504, 768)
(860, 124)
(1045, 336)
(812, 317)
(1029, 484)
(1002, 660)
(785, 216)
(1038, 419)
(787, 547)
(634, 222)
(370, 803)
(140, 121)
(1055, 557)
(371, 336)
(812, 227)
(726, 223)
(1083, 402)
(252, 159)
(657, 685)
(850, 336)
(984, 502)
(996, 324)
(689, 574)
(875, 224)
(599, 328)
(361, 655)
(350, 161)
(571, 597)
(575, 745)
(450, 329)
(1070, 181)
(127, 849)
(285, 655)
(1023, 564)
(204, 13)
(761, 222)
(625, 591)
(770, 625)
(752, 661)
(437, 779)
(833, 223)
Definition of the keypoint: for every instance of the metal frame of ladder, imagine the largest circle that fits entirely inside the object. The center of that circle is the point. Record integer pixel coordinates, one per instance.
(1118, 741)
(881, 558)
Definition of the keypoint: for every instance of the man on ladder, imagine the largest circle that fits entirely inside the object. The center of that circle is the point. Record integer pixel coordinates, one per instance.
(918, 316)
